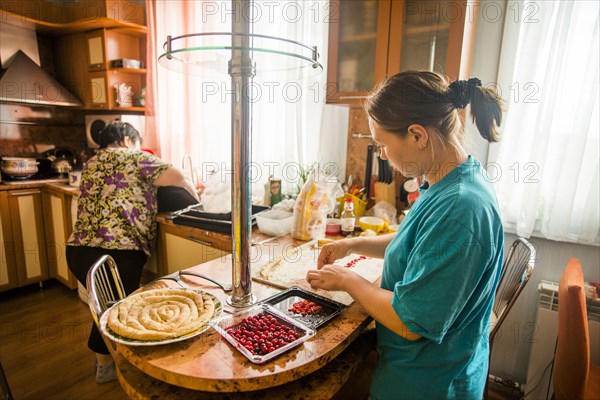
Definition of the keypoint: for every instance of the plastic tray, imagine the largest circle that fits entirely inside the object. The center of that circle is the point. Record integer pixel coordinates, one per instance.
(285, 300)
(225, 324)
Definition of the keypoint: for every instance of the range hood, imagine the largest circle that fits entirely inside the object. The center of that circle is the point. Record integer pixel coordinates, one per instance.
(25, 82)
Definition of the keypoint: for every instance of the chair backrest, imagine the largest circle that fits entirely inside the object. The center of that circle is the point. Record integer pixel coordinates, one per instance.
(516, 271)
(104, 286)
(572, 357)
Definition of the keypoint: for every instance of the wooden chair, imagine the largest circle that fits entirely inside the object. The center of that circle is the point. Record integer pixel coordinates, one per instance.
(516, 271)
(574, 377)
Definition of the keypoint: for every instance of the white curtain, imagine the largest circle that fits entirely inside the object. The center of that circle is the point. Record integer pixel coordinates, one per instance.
(546, 166)
(292, 126)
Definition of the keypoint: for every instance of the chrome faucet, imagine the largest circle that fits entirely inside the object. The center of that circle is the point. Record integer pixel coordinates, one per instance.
(188, 158)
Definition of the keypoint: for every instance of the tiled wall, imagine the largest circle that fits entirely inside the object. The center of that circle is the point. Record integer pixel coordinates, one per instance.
(356, 156)
(26, 131)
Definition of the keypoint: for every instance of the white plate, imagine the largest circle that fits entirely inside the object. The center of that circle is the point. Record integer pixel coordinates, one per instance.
(132, 342)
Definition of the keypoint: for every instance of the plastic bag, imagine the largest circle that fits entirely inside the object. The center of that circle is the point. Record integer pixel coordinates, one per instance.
(384, 210)
(315, 201)
(217, 194)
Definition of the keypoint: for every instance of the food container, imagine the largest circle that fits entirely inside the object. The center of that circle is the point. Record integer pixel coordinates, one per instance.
(281, 333)
(334, 226)
(275, 222)
(373, 223)
(74, 178)
(17, 167)
(296, 300)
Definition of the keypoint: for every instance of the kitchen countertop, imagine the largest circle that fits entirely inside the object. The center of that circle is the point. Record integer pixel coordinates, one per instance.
(60, 184)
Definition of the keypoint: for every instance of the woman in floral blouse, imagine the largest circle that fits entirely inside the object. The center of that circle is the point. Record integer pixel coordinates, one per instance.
(116, 215)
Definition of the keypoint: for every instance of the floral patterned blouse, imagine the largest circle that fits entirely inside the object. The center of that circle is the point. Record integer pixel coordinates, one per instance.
(117, 206)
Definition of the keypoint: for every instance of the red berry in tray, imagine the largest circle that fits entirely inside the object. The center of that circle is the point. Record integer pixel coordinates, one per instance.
(304, 308)
(262, 334)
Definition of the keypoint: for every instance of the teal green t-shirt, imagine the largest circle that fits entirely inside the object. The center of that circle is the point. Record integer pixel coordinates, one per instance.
(443, 267)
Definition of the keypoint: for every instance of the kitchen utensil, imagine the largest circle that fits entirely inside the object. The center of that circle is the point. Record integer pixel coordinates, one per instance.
(381, 169)
(19, 167)
(369, 169)
(230, 328)
(225, 286)
(373, 223)
(389, 174)
(275, 222)
(284, 301)
(62, 159)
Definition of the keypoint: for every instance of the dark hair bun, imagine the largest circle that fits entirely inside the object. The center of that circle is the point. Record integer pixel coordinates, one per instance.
(115, 132)
(462, 92)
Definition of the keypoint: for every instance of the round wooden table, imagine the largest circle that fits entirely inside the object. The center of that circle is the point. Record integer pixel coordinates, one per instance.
(208, 363)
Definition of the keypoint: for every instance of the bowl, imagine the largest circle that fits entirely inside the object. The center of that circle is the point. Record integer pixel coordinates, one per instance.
(334, 226)
(373, 223)
(274, 222)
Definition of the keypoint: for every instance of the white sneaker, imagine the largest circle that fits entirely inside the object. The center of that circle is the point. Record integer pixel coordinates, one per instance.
(106, 373)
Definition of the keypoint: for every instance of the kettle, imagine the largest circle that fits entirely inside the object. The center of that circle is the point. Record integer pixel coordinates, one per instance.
(62, 160)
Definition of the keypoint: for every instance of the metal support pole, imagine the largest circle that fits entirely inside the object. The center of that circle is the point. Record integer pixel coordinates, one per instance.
(241, 70)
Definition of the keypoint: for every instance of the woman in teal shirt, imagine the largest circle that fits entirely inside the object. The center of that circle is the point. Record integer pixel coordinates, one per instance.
(442, 266)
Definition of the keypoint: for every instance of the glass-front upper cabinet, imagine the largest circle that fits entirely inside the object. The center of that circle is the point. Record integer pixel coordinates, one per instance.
(358, 41)
(372, 39)
(424, 37)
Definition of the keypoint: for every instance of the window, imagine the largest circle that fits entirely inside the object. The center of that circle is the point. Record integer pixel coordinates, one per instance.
(546, 167)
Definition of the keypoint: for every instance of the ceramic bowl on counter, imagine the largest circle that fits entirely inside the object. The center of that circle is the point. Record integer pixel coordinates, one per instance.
(19, 167)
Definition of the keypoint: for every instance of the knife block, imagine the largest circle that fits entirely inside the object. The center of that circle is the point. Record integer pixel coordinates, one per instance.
(385, 192)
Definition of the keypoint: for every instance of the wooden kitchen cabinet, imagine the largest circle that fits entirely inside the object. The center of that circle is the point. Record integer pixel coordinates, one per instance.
(84, 65)
(115, 87)
(181, 247)
(8, 263)
(58, 228)
(372, 39)
(29, 239)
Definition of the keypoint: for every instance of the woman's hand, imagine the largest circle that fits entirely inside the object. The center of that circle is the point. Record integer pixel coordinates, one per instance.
(330, 277)
(332, 252)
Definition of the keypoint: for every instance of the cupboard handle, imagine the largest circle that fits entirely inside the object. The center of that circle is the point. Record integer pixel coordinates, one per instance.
(352, 97)
(193, 239)
(25, 193)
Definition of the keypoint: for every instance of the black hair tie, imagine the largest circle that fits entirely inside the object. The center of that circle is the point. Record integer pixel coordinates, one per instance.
(461, 92)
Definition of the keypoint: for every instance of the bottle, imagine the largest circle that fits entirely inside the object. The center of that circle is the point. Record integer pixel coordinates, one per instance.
(275, 191)
(347, 217)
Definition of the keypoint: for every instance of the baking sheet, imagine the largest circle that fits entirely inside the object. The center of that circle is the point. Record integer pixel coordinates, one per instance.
(285, 300)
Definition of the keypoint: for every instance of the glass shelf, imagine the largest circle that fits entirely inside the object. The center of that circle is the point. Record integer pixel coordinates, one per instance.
(208, 55)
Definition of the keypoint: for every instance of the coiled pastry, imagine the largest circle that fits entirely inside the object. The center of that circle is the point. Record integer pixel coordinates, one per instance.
(161, 314)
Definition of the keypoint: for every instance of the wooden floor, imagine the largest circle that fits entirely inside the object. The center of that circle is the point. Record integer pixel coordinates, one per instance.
(43, 345)
(43, 348)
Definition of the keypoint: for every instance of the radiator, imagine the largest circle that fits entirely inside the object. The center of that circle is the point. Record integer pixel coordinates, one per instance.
(539, 385)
